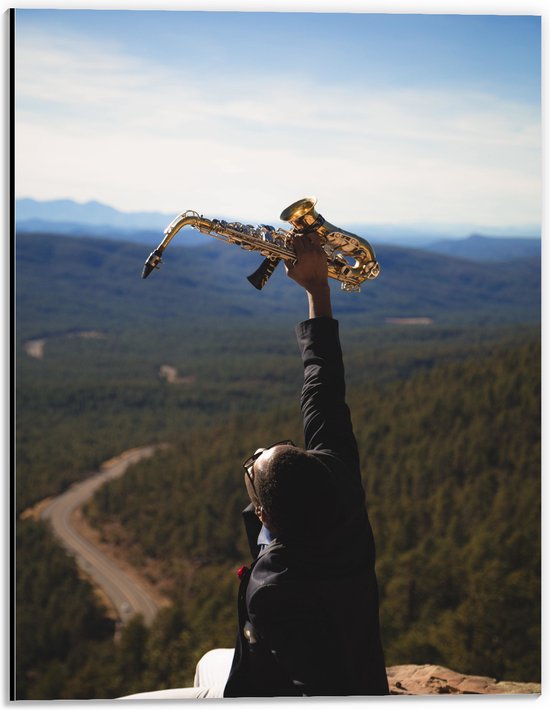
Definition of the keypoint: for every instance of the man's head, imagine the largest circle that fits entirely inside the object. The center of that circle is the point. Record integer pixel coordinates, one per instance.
(284, 483)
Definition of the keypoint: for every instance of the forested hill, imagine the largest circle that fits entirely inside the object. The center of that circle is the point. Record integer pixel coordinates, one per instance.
(451, 462)
(65, 283)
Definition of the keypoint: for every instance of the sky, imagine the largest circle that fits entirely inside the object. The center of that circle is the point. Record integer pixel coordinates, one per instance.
(398, 119)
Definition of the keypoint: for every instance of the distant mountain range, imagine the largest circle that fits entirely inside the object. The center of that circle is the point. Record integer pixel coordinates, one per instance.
(88, 213)
(481, 248)
(94, 219)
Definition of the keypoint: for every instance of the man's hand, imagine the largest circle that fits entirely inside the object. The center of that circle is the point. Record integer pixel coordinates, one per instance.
(311, 272)
(311, 267)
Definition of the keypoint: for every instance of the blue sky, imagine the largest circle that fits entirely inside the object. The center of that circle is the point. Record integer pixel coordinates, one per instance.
(387, 118)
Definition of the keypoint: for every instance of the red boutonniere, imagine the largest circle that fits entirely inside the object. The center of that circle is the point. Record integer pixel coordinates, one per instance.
(242, 571)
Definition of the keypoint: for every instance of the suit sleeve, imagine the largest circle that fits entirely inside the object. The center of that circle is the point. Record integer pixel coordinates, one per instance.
(326, 416)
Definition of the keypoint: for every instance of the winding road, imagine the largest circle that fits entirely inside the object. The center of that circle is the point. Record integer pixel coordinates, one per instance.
(126, 595)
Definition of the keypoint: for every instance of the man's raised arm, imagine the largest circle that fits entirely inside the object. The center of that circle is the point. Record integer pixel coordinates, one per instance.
(327, 421)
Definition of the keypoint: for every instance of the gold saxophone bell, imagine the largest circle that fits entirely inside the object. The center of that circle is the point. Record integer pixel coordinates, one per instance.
(351, 259)
(302, 214)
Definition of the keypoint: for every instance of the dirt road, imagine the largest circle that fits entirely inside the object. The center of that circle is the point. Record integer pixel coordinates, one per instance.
(126, 595)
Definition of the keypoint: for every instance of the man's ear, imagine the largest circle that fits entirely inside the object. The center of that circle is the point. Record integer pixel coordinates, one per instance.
(260, 512)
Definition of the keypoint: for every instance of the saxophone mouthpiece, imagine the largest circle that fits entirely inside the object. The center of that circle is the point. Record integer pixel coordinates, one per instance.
(153, 261)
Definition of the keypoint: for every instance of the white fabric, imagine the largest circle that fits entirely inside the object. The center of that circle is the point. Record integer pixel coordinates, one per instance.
(211, 675)
(176, 694)
(213, 668)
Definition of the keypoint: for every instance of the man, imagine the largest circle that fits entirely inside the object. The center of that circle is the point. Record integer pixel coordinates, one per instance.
(308, 606)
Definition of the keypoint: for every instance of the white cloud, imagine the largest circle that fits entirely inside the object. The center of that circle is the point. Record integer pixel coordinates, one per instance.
(94, 123)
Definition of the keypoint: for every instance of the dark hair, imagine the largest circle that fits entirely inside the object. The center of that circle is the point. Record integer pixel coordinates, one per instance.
(294, 491)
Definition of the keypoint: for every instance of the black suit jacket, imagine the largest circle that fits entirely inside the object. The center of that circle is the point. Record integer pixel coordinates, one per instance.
(308, 608)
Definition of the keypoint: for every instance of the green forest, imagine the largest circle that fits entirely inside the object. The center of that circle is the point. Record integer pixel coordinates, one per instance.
(447, 418)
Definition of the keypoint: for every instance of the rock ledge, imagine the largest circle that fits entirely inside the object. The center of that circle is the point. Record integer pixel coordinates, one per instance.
(438, 680)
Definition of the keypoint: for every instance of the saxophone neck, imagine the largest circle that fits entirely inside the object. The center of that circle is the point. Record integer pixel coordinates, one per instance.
(181, 221)
(155, 257)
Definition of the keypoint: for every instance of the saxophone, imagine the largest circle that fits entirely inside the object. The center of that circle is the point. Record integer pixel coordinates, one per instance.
(350, 258)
